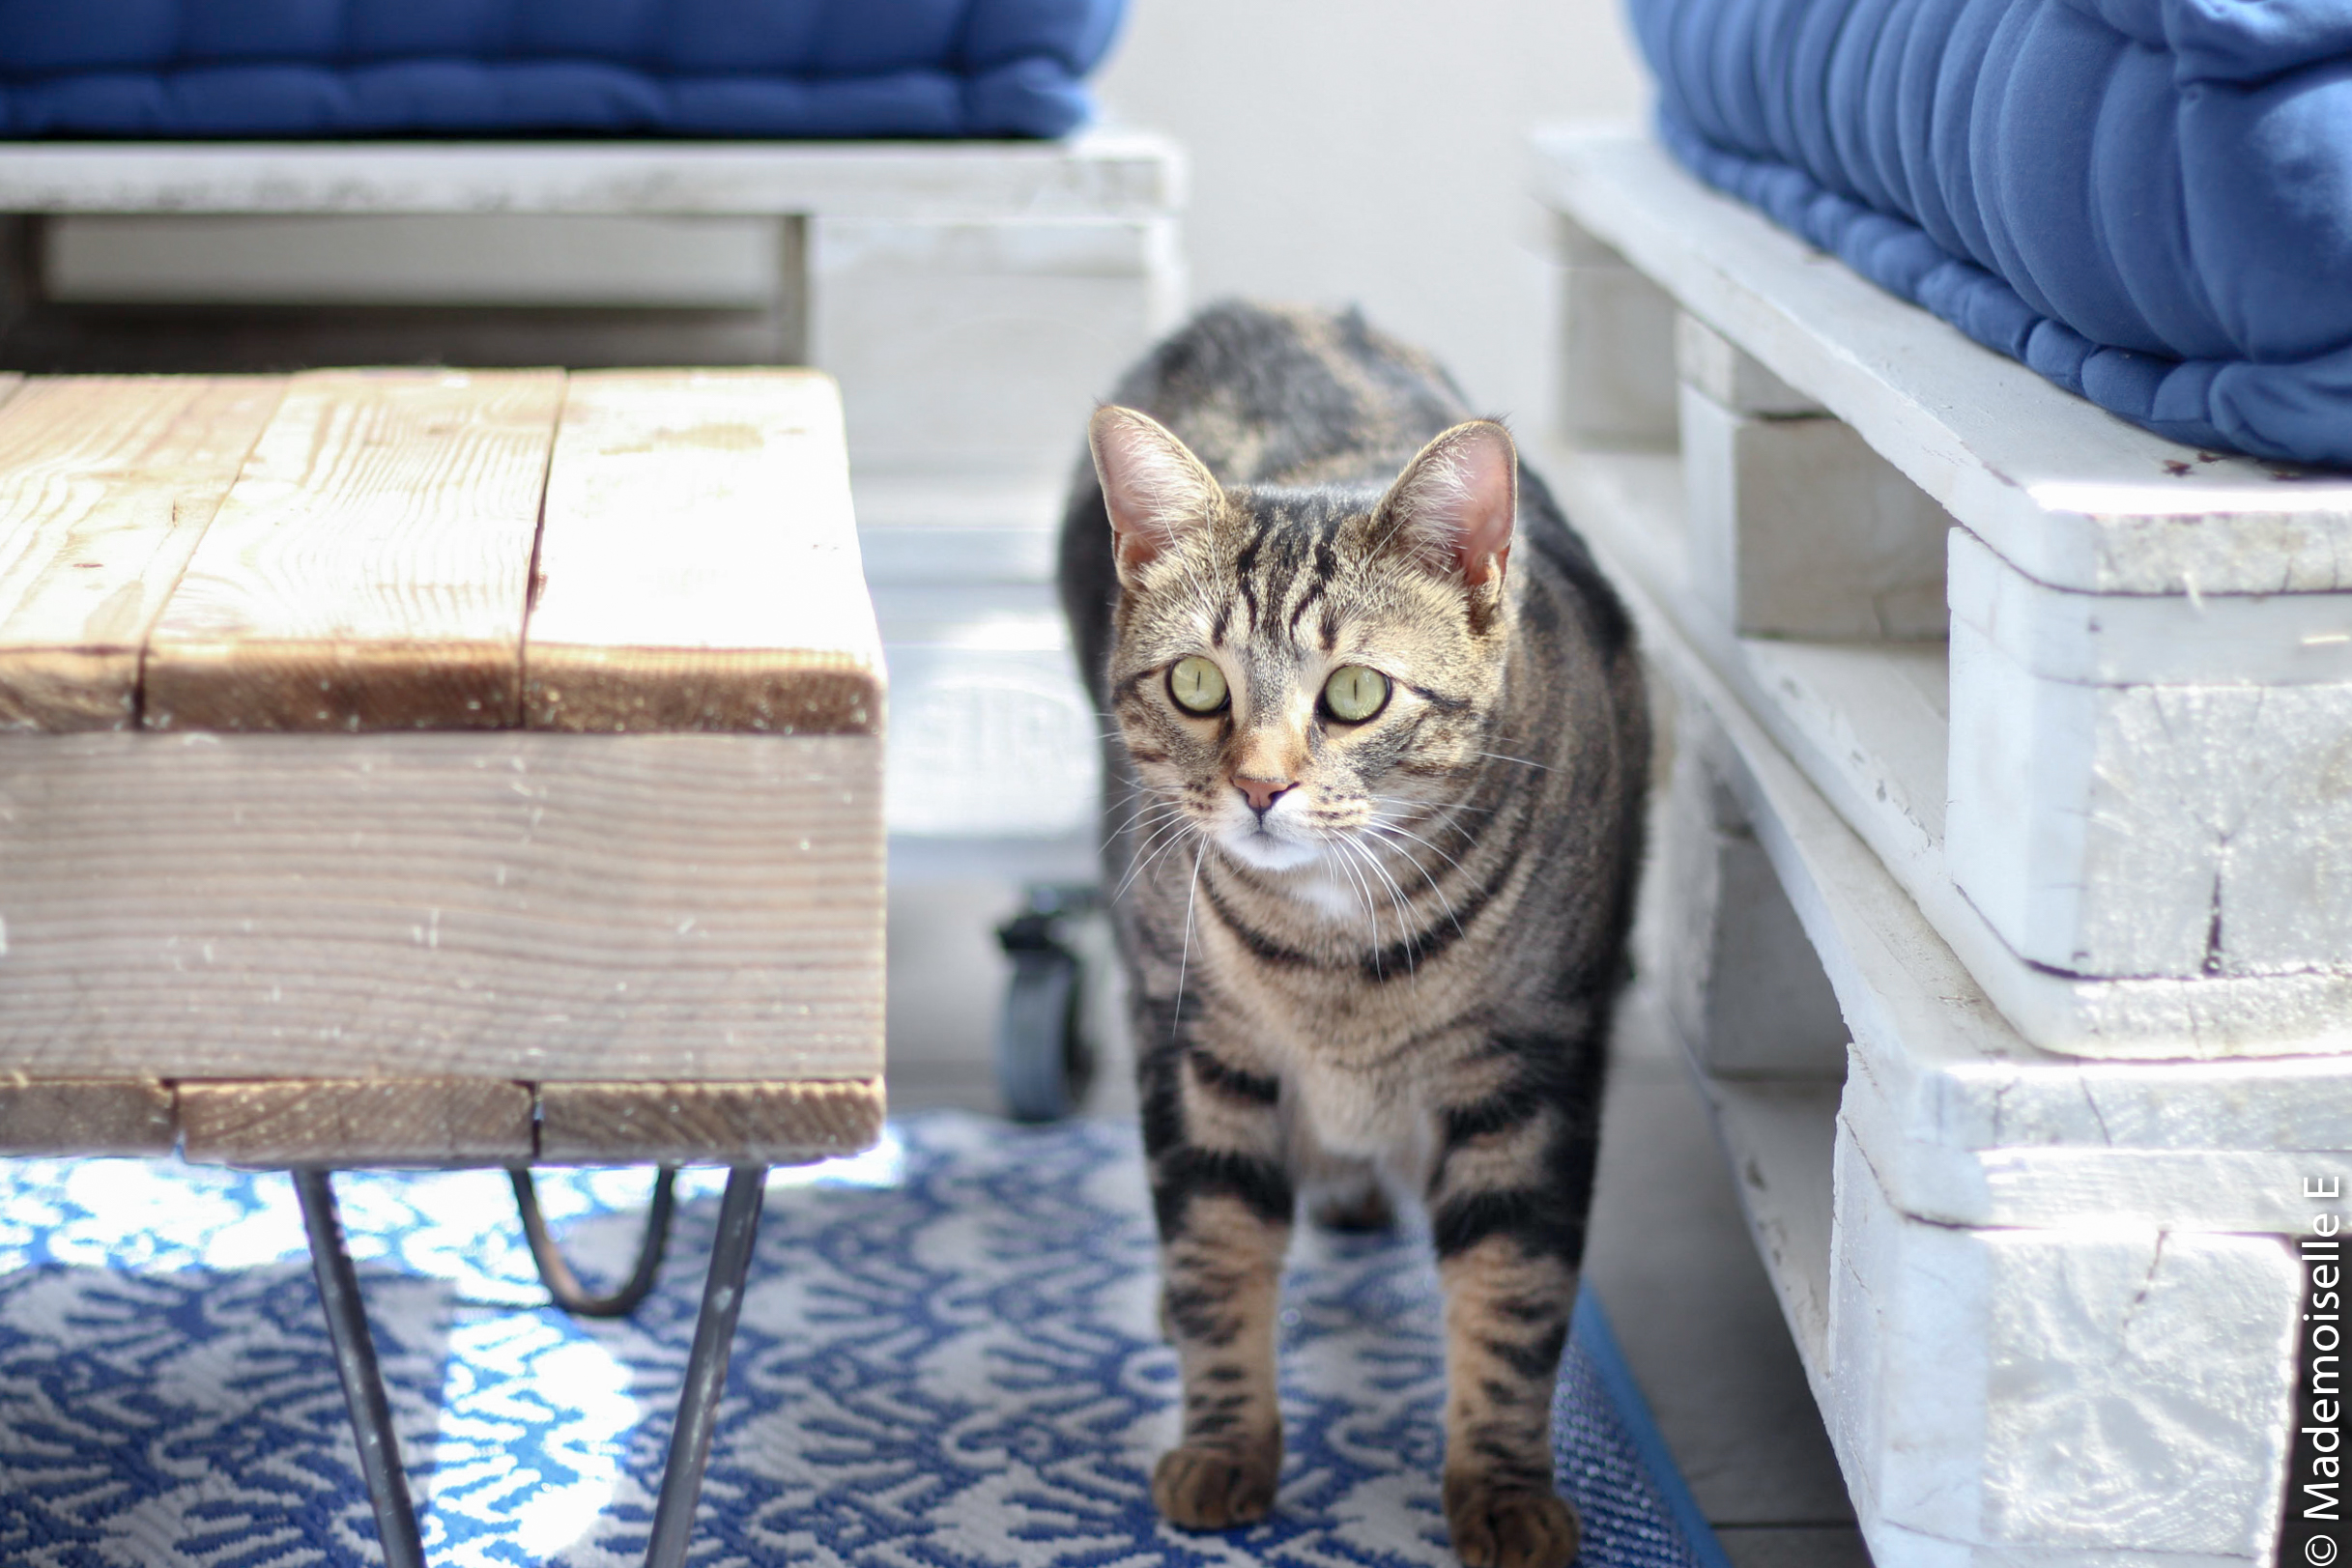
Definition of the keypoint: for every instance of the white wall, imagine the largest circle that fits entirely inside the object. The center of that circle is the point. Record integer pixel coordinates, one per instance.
(1371, 151)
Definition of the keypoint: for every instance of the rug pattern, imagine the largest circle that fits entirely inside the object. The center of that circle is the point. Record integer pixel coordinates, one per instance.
(947, 1359)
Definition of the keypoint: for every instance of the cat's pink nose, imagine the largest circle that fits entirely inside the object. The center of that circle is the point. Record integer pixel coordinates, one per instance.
(1261, 792)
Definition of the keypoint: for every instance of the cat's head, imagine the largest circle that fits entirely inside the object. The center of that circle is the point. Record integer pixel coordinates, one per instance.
(1292, 668)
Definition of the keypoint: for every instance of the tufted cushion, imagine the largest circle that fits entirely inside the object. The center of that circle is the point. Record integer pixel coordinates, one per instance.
(689, 68)
(2147, 200)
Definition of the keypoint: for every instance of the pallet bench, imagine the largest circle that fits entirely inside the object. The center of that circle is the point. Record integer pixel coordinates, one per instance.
(2004, 911)
(439, 768)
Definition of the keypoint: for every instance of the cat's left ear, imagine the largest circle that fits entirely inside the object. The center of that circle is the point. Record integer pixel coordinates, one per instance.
(1155, 490)
(1454, 504)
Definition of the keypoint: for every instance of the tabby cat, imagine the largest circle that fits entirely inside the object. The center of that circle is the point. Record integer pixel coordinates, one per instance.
(1374, 800)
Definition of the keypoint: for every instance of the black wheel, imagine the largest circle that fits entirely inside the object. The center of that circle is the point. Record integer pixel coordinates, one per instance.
(1038, 1049)
(1044, 1060)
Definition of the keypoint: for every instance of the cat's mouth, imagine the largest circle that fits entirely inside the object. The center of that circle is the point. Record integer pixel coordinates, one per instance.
(1256, 844)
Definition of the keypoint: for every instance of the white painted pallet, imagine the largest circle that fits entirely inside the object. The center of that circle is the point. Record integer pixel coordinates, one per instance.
(2028, 1226)
(2130, 816)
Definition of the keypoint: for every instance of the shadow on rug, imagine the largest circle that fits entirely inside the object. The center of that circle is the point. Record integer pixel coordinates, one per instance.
(947, 1356)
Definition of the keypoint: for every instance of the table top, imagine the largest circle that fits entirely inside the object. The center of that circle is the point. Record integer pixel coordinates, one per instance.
(403, 549)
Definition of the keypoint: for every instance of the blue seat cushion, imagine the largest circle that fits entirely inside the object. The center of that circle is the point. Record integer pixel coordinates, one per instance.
(476, 68)
(2147, 200)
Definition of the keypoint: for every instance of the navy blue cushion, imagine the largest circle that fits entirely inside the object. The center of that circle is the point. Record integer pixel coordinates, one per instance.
(688, 67)
(2147, 200)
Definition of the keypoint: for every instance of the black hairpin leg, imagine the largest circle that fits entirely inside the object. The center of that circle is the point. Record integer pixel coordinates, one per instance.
(564, 1285)
(371, 1414)
(698, 1407)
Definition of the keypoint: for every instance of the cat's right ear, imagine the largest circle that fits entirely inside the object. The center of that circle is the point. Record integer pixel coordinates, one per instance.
(1154, 488)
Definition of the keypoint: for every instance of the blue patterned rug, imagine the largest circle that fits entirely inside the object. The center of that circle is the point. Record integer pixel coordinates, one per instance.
(947, 1357)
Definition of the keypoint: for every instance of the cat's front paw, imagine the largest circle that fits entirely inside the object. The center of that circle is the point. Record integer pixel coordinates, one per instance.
(1209, 1489)
(1508, 1526)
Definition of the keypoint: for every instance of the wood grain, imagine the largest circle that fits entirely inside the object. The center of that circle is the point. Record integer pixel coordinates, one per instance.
(369, 568)
(698, 565)
(728, 1123)
(85, 1116)
(494, 904)
(106, 483)
(356, 1121)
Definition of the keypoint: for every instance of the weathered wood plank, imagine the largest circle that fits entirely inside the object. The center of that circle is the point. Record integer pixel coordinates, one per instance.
(734, 1124)
(1098, 174)
(85, 1116)
(106, 484)
(356, 1121)
(369, 568)
(698, 565)
(495, 904)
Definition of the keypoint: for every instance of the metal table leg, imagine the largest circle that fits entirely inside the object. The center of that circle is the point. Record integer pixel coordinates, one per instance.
(371, 1414)
(564, 1285)
(371, 1419)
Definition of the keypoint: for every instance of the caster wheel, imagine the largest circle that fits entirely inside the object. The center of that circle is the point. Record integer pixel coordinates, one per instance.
(1043, 1061)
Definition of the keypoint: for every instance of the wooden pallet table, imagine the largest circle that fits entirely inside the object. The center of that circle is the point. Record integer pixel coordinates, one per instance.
(438, 768)
(972, 299)
(2005, 907)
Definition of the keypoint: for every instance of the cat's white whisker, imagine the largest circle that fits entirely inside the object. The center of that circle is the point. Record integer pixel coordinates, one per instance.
(1441, 808)
(1134, 815)
(1185, 963)
(1145, 862)
(1136, 822)
(1371, 915)
(1371, 918)
(1448, 903)
(1396, 896)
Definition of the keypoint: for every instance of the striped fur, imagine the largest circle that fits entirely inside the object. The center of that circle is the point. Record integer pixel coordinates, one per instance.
(1399, 976)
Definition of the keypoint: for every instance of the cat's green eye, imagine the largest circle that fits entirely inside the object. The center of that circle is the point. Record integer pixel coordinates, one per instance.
(1354, 693)
(1197, 685)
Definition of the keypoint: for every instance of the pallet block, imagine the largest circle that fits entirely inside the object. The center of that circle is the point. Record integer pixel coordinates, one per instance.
(1799, 529)
(2067, 1396)
(2151, 784)
(2149, 675)
(431, 736)
(1615, 391)
(2047, 1305)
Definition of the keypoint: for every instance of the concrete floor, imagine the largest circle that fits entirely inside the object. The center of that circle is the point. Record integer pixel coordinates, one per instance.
(1668, 1253)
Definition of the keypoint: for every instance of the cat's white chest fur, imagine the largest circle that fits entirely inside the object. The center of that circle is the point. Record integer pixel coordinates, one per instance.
(1354, 1113)
(1347, 1110)
(1323, 887)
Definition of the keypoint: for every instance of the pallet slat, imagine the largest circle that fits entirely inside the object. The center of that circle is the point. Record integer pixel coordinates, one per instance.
(369, 568)
(484, 905)
(748, 610)
(356, 1121)
(85, 1116)
(106, 484)
(733, 1124)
